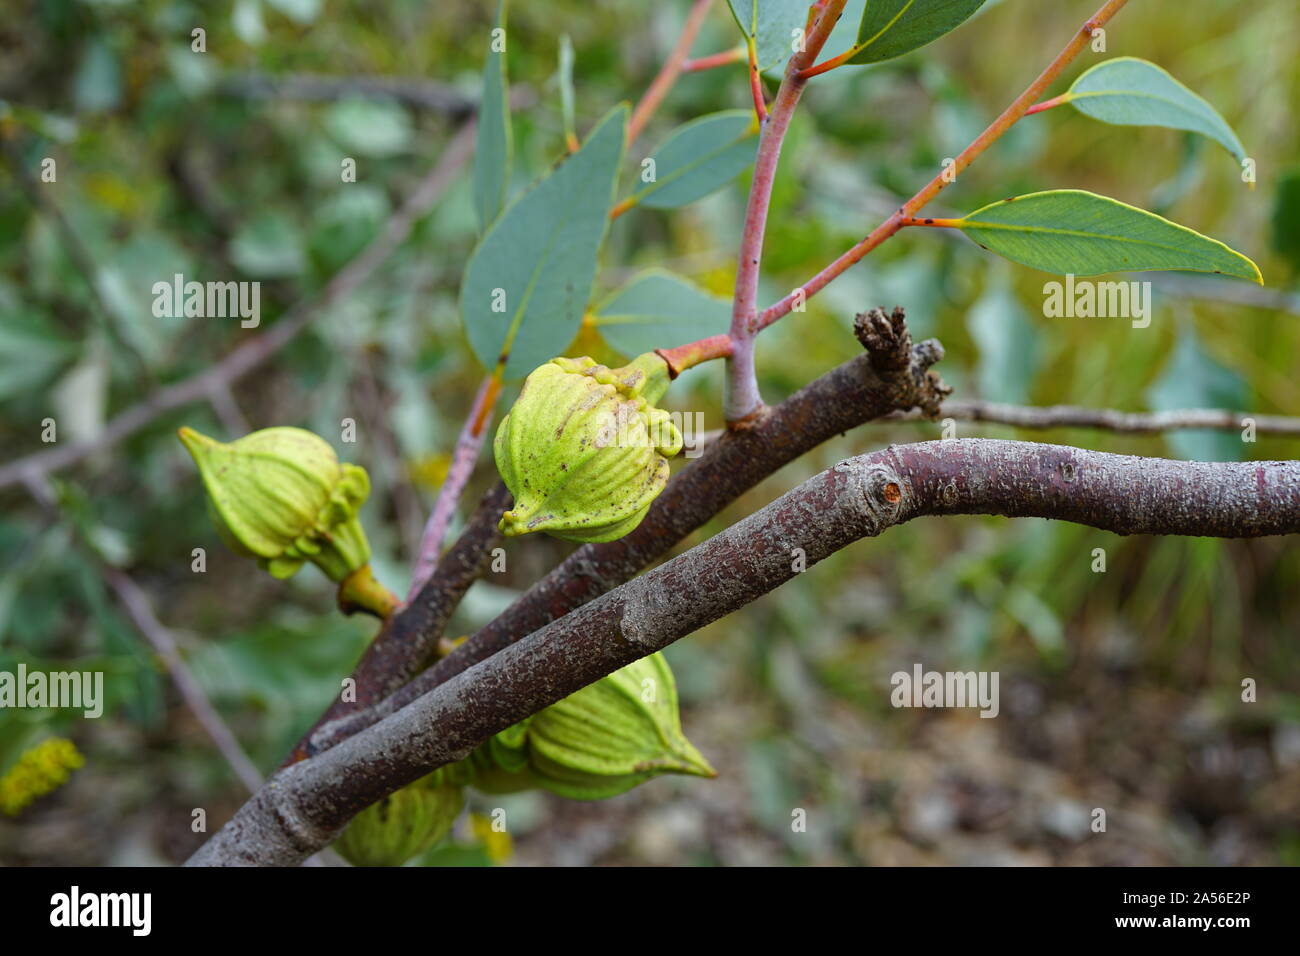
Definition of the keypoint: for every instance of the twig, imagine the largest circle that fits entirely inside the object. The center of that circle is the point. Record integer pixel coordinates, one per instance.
(714, 60)
(304, 806)
(893, 375)
(137, 606)
(743, 399)
(257, 350)
(668, 73)
(1108, 419)
(315, 87)
(462, 465)
(894, 223)
(227, 409)
(409, 638)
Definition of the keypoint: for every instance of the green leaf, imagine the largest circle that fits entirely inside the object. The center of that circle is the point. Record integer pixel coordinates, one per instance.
(1069, 231)
(658, 310)
(1286, 217)
(1127, 91)
(268, 247)
(31, 351)
(699, 157)
(890, 28)
(537, 262)
(369, 127)
(492, 149)
(772, 24)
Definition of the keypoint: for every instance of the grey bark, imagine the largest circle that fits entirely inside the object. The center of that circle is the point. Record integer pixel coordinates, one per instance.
(306, 805)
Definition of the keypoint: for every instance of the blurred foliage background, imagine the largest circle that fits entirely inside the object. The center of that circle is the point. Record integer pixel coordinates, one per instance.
(1119, 690)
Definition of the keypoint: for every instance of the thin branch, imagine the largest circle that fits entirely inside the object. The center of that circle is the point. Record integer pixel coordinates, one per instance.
(893, 375)
(257, 350)
(668, 73)
(427, 95)
(1018, 108)
(1109, 419)
(137, 606)
(305, 806)
(462, 465)
(714, 60)
(742, 398)
(409, 639)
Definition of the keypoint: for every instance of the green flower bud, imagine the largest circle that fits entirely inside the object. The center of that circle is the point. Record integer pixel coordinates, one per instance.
(614, 734)
(280, 495)
(596, 743)
(584, 450)
(402, 825)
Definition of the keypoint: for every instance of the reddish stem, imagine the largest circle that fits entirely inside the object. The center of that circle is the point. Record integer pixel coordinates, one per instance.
(668, 73)
(942, 223)
(743, 398)
(714, 60)
(693, 353)
(1048, 104)
(462, 465)
(756, 83)
(1018, 108)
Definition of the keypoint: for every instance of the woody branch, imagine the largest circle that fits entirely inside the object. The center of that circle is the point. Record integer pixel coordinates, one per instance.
(304, 807)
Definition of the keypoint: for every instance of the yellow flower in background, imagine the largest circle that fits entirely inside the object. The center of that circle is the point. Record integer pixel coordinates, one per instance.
(496, 843)
(40, 770)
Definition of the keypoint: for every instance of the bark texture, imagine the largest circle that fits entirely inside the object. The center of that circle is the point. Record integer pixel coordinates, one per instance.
(303, 807)
(893, 375)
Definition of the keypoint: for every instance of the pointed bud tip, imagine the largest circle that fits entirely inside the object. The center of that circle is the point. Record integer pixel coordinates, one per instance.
(194, 441)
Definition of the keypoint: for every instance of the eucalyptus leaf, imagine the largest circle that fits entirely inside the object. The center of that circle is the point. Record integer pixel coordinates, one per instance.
(773, 24)
(1127, 91)
(890, 28)
(699, 157)
(493, 146)
(527, 284)
(369, 127)
(659, 310)
(1070, 231)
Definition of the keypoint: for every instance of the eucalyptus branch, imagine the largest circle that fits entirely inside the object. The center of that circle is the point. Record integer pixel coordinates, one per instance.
(255, 351)
(893, 375)
(1109, 419)
(668, 73)
(305, 806)
(743, 399)
(462, 465)
(442, 98)
(409, 639)
(138, 607)
(1018, 108)
(135, 602)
